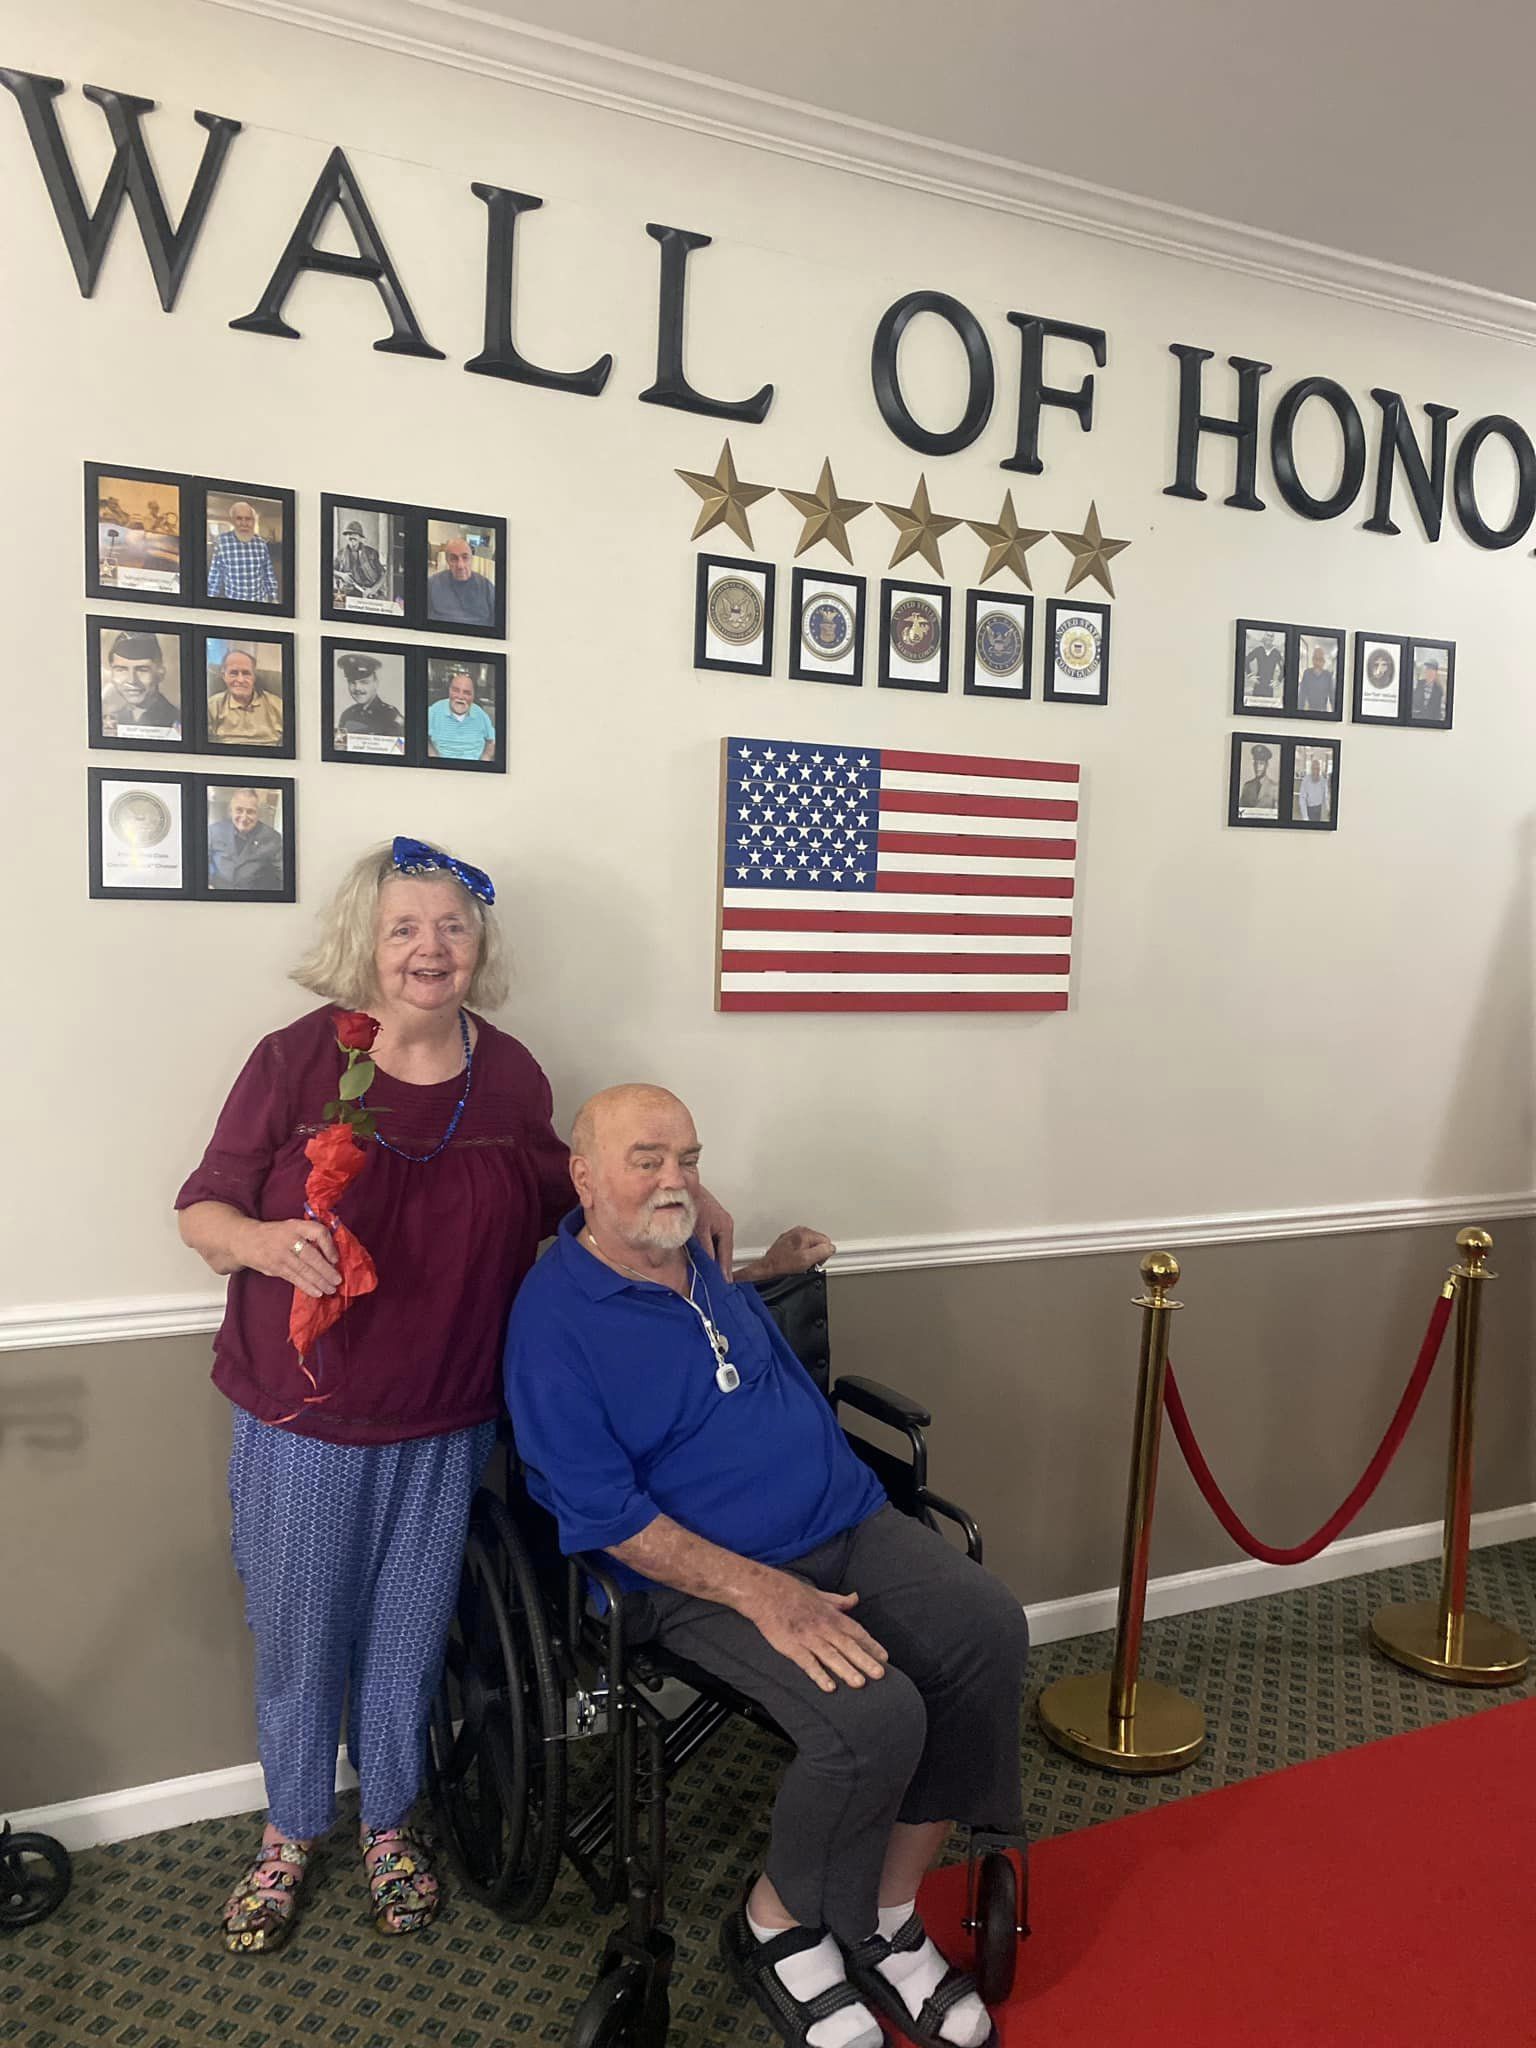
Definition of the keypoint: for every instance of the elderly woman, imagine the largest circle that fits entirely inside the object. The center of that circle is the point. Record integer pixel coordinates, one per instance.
(352, 1473)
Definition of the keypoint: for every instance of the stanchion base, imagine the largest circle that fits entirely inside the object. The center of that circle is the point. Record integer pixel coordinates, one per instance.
(1166, 1732)
(1489, 1653)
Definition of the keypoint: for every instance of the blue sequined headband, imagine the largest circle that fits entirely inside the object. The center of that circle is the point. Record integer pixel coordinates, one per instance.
(412, 857)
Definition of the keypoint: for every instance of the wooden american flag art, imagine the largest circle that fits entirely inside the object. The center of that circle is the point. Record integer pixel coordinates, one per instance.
(879, 878)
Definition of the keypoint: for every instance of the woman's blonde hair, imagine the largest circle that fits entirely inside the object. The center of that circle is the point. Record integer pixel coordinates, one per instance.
(339, 965)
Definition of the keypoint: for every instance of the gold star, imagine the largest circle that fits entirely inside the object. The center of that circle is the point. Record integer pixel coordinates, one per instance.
(1091, 552)
(1007, 542)
(920, 528)
(725, 496)
(826, 515)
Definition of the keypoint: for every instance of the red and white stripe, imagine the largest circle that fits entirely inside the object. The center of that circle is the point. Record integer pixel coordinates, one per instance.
(972, 908)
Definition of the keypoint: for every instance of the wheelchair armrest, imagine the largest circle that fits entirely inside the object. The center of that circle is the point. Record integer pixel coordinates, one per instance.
(594, 1565)
(874, 1398)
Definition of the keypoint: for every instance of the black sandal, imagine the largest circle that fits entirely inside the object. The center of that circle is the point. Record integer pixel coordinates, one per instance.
(885, 1997)
(752, 1962)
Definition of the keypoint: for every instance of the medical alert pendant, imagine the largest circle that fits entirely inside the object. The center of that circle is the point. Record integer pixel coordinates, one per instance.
(727, 1378)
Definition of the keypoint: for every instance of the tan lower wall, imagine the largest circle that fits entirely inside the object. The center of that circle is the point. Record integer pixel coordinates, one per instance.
(123, 1653)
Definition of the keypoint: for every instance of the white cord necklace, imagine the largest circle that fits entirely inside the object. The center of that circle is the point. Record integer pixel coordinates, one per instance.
(727, 1378)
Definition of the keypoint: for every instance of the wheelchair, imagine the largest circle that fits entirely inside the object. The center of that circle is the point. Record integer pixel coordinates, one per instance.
(35, 1876)
(531, 1665)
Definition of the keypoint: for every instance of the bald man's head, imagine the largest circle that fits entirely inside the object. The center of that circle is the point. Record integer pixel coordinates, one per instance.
(635, 1166)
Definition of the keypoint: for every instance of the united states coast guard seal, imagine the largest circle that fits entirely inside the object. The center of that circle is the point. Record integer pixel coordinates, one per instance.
(1077, 648)
(735, 610)
(914, 629)
(999, 643)
(826, 626)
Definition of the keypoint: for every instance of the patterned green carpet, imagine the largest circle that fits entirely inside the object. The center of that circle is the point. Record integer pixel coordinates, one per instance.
(128, 1961)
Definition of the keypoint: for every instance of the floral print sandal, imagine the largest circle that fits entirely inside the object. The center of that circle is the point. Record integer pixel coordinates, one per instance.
(401, 1884)
(259, 1913)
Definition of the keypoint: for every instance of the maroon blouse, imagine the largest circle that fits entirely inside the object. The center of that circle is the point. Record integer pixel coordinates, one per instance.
(451, 1238)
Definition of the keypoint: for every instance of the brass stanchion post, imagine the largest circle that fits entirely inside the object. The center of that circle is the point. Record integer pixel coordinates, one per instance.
(1118, 1718)
(1439, 1637)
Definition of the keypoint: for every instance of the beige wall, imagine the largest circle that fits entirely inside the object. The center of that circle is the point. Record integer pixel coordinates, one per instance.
(123, 1653)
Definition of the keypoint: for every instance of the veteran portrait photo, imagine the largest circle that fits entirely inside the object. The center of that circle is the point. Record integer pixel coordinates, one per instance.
(140, 686)
(245, 693)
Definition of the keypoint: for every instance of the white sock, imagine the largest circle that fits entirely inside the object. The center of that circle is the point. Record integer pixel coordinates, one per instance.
(818, 1969)
(917, 1974)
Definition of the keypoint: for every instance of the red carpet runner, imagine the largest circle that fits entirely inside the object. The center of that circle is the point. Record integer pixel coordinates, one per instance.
(1380, 1898)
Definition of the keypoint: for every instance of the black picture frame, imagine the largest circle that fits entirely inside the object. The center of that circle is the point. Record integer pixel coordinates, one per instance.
(469, 524)
(464, 660)
(1298, 657)
(215, 488)
(896, 594)
(1060, 612)
(332, 649)
(188, 536)
(1260, 707)
(813, 587)
(211, 889)
(1366, 645)
(1428, 647)
(707, 580)
(100, 782)
(979, 606)
(1299, 748)
(207, 741)
(404, 570)
(102, 629)
(1284, 750)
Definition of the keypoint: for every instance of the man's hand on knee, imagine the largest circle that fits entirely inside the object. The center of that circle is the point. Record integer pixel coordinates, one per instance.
(813, 1629)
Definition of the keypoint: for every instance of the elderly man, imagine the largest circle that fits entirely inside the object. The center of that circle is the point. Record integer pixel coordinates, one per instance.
(244, 852)
(240, 564)
(242, 713)
(134, 701)
(459, 729)
(457, 595)
(662, 1419)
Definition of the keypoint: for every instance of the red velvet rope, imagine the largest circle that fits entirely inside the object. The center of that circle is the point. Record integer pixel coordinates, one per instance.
(1364, 1487)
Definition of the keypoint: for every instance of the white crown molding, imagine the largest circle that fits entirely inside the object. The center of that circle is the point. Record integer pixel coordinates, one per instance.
(442, 32)
(211, 1795)
(45, 1326)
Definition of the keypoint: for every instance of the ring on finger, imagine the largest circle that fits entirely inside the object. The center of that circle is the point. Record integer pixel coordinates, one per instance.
(298, 1245)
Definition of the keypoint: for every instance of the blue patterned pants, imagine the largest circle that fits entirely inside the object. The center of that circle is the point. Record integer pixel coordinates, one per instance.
(350, 1556)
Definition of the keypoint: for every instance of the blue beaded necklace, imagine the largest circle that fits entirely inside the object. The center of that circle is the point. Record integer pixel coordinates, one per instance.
(421, 1158)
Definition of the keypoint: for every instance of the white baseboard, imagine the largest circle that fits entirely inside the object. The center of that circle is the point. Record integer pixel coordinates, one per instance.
(210, 1795)
(1082, 1614)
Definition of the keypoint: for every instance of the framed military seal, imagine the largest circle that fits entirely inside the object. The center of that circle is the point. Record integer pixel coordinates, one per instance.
(1380, 696)
(1076, 652)
(914, 635)
(733, 615)
(138, 834)
(999, 641)
(826, 636)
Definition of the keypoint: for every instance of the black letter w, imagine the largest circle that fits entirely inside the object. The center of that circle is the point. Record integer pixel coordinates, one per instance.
(87, 234)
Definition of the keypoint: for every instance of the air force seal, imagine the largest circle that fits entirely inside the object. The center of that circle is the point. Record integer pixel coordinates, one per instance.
(826, 625)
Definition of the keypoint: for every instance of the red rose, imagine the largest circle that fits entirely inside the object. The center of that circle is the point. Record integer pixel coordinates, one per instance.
(356, 1030)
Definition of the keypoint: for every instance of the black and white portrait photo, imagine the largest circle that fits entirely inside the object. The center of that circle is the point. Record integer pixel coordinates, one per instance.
(1256, 780)
(1260, 678)
(363, 709)
(366, 568)
(136, 683)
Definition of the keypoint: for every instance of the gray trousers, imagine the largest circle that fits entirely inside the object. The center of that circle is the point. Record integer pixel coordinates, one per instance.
(937, 1738)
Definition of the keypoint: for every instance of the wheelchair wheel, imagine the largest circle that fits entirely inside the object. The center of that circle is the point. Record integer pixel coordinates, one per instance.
(35, 1876)
(496, 1740)
(998, 1921)
(614, 2013)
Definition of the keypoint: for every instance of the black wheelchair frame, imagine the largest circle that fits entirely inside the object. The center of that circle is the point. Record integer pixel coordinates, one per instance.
(529, 1665)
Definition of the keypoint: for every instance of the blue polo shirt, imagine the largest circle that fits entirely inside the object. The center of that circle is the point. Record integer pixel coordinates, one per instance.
(611, 1387)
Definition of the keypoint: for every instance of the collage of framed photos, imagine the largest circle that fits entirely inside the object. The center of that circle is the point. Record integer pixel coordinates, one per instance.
(161, 685)
(734, 622)
(157, 836)
(1298, 672)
